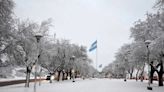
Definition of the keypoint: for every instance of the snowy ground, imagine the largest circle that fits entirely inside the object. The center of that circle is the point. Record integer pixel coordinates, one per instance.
(88, 85)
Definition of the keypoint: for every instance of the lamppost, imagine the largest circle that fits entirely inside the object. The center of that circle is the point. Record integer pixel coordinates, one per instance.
(126, 64)
(116, 71)
(147, 42)
(38, 37)
(84, 74)
(73, 71)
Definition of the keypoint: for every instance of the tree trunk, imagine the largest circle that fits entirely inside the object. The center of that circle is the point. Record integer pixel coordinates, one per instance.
(28, 71)
(93, 75)
(58, 76)
(152, 70)
(66, 75)
(137, 75)
(27, 79)
(131, 75)
(160, 75)
(160, 79)
(63, 76)
(76, 74)
(50, 78)
(70, 74)
(151, 75)
(142, 76)
(40, 77)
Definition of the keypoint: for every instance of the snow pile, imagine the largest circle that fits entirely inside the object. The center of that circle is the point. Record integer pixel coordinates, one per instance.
(6, 72)
(12, 73)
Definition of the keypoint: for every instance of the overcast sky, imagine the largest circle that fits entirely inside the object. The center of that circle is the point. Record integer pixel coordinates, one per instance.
(84, 21)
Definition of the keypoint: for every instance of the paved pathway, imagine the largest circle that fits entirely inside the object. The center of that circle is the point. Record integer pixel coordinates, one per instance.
(88, 85)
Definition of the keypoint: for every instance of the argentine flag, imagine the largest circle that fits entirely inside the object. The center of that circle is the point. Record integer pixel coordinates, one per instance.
(93, 46)
(100, 65)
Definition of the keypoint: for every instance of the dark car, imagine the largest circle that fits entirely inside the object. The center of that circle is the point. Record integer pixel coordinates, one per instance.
(48, 77)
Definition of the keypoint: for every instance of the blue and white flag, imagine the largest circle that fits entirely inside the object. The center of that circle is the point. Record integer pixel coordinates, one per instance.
(93, 46)
(100, 65)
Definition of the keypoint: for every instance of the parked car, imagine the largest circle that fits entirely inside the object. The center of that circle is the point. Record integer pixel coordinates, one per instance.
(155, 77)
(48, 77)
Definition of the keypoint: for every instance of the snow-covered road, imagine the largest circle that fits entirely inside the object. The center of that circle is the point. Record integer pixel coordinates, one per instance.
(88, 85)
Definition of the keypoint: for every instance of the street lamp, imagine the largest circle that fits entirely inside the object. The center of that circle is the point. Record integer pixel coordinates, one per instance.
(147, 42)
(73, 71)
(116, 70)
(126, 64)
(84, 74)
(38, 37)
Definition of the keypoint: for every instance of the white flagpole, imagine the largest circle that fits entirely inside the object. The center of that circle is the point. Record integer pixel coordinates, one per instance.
(96, 56)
